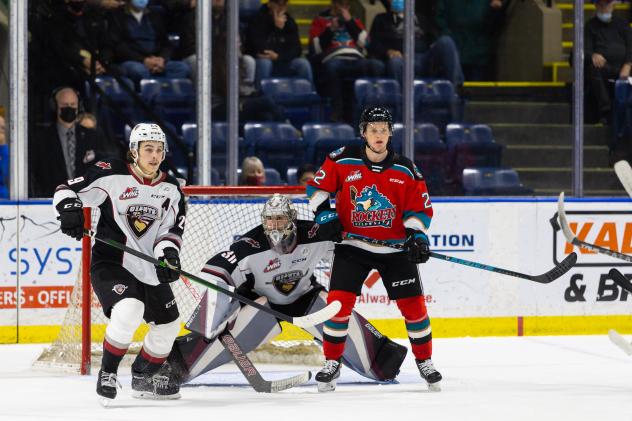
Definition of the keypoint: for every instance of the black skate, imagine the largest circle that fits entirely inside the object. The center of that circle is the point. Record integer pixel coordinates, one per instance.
(161, 385)
(429, 374)
(326, 378)
(106, 387)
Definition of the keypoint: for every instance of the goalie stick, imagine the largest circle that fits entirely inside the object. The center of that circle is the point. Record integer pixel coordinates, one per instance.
(571, 238)
(559, 270)
(624, 172)
(620, 341)
(308, 320)
(251, 373)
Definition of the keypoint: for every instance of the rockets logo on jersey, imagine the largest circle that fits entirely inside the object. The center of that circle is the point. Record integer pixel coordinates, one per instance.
(286, 282)
(129, 193)
(140, 218)
(371, 208)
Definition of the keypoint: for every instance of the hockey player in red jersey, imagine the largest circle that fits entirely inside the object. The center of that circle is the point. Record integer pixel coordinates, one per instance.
(382, 196)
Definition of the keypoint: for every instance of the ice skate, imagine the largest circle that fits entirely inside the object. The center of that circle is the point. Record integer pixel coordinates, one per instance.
(429, 374)
(326, 378)
(159, 386)
(106, 387)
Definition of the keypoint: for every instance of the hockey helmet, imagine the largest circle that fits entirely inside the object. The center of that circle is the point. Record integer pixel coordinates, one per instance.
(146, 132)
(375, 114)
(278, 218)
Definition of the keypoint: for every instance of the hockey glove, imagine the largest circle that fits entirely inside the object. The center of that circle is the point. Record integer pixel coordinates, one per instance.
(417, 245)
(71, 217)
(329, 226)
(166, 275)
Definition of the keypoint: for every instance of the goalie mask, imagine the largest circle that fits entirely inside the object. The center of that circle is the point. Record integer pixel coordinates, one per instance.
(279, 223)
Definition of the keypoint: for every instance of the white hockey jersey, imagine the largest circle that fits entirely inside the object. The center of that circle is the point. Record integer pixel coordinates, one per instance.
(250, 263)
(145, 216)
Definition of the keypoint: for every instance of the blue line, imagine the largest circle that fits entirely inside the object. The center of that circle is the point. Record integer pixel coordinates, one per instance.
(454, 251)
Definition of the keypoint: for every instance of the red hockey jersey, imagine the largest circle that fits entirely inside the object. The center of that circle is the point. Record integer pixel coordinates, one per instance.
(373, 200)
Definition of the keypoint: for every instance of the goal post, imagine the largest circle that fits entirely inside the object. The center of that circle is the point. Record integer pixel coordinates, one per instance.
(216, 216)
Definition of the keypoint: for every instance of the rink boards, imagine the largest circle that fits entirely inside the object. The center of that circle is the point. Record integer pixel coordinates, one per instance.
(512, 234)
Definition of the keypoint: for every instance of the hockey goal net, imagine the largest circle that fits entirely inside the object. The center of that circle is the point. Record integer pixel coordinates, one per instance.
(216, 216)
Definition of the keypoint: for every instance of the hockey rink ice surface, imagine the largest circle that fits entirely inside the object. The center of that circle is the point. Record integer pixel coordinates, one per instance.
(529, 378)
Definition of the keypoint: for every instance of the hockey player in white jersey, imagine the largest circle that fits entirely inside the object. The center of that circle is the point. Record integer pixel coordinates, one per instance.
(273, 264)
(143, 208)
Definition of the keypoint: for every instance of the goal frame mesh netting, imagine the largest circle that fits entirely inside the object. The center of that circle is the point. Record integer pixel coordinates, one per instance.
(79, 342)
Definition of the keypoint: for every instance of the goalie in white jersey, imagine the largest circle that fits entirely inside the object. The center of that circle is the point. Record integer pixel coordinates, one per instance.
(143, 208)
(274, 265)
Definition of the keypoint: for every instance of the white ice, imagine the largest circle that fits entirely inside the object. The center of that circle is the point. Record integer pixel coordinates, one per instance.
(531, 378)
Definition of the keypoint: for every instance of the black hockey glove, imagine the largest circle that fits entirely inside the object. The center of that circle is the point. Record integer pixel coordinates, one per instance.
(71, 217)
(171, 257)
(330, 228)
(417, 245)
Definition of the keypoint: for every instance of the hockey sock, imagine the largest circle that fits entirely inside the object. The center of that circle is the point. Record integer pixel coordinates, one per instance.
(145, 362)
(417, 325)
(335, 329)
(113, 353)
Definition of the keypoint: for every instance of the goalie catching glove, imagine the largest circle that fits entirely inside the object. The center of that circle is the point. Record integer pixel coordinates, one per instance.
(165, 274)
(330, 228)
(71, 217)
(417, 246)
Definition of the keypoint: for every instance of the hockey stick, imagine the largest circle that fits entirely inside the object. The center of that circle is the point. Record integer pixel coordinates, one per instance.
(251, 373)
(303, 321)
(620, 279)
(624, 172)
(559, 270)
(620, 341)
(571, 238)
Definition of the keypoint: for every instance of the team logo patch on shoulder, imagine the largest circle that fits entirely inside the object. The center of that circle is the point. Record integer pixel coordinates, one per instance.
(417, 172)
(140, 218)
(273, 264)
(104, 165)
(371, 208)
(250, 241)
(119, 288)
(354, 175)
(337, 152)
(286, 282)
(129, 193)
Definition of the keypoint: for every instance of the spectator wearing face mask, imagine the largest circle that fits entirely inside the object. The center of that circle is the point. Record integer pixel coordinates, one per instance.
(64, 149)
(608, 55)
(252, 172)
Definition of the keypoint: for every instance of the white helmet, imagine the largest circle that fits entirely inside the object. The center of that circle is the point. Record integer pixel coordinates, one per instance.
(146, 132)
(281, 238)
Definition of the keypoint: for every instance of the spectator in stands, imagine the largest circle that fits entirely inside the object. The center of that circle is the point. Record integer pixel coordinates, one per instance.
(141, 44)
(65, 142)
(473, 25)
(304, 173)
(274, 40)
(107, 4)
(608, 53)
(434, 56)
(336, 44)
(4, 161)
(252, 172)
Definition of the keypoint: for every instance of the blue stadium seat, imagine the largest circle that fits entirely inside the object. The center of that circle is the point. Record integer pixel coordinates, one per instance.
(297, 97)
(291, 176)
(493, 182)
(171, 99)
(471, 146)
(321, 139)
(219, 133)
(622, 113)
(377, 91)
(436, 102)
(431, 154)
(119, 106)
(278, 145)
(273, 178)
(248, 8)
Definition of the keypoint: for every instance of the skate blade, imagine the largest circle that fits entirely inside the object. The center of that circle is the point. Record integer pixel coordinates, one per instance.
(152, 396)
(104, 402)
(434, 387)
(326, 387)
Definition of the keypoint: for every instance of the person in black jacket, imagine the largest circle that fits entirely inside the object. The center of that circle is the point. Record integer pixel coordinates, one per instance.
(141, 44)
(608, 53)
(434, 56)
(274, 41)
(63, 150)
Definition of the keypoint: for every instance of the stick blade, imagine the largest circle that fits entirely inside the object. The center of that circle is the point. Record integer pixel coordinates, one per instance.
(284, 384)
(620, 341)
(559, 270)
(319, 316)
(620, 280)
(624, 173)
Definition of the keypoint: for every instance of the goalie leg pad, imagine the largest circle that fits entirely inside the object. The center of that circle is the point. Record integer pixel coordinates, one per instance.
(198, 355)
(367, 351)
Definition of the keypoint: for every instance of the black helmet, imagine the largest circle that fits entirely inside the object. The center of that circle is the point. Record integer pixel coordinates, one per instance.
(375, 114)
